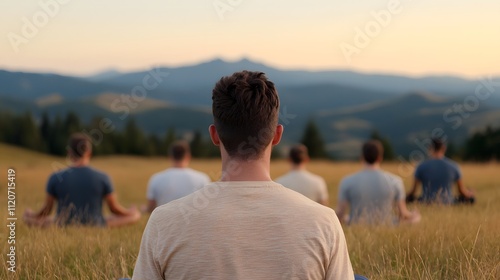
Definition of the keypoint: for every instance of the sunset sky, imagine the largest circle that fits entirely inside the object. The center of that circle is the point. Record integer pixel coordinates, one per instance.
(418, 38)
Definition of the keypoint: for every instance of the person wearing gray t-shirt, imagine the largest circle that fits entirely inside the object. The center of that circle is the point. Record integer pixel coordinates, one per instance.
(372, 193)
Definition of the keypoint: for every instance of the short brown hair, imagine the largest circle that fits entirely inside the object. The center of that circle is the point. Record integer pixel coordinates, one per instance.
(298, 154)
(245, 109)
(179, 150)
(78, 145)
(372, 151)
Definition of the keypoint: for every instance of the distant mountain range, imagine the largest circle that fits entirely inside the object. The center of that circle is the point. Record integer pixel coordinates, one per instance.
(346, 105)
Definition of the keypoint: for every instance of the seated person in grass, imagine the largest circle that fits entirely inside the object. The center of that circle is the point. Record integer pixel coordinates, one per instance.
(244, 226)
(177, 181)
(301, 180)
(372, 194)
(79, 191)
(437, 176)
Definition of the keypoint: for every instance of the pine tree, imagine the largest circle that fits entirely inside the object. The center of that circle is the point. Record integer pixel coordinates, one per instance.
(72, 124)
(313, 140)
(170, 138)
(6, 128)
(26, 132)
(483, 146)
(134, 139)
(154, 145)
(452, 151)
(57, 138)
(197, 145)
(45, 127)
(103, 141)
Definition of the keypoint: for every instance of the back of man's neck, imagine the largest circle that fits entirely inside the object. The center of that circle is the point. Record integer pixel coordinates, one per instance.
(298, 167)
(437, 155)
(245, 170)
(373, 166)
(179, 165)
(80, 163)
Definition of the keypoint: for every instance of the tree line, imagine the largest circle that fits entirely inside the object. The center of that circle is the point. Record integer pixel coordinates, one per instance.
(50, 135)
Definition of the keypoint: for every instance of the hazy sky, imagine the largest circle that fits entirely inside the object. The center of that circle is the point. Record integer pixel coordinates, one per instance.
(416, 37)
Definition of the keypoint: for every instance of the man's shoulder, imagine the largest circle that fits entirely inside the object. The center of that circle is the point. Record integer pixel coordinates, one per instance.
(173, 211)
(197, 173)
(160, 174)
(87, 170)
(353, 177)
(190, 201)
(424, 163)
(284, 177)
(430, 163)
(303, 174)
(450, 162)
(314, 176)
(391, 176)
(192, 204)
(301, 203)
(97, 172)
(362, 175)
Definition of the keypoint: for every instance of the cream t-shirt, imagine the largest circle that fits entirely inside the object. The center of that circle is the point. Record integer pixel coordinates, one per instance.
(243, 230)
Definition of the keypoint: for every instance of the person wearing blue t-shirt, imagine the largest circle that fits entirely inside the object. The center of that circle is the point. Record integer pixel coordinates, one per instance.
(79, 191)
(437, 176)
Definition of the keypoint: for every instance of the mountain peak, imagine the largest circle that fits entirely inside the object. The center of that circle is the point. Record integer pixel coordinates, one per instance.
(104, 75)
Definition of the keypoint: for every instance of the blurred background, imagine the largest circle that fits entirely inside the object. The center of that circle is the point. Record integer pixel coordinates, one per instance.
(135, 76)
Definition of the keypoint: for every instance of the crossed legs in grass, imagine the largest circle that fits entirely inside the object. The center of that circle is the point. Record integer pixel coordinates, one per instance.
(112, 221)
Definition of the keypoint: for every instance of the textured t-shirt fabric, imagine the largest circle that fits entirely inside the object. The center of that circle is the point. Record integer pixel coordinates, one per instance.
(79, 192)
(175, 183)
(243, 230)
(371, 194)
(437, 177)
(306, 183)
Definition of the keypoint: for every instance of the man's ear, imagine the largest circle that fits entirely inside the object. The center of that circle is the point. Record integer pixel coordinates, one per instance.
(213, 135)
(277, 135)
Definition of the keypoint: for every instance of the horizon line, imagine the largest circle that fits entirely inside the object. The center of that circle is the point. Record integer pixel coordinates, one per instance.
(121, 71)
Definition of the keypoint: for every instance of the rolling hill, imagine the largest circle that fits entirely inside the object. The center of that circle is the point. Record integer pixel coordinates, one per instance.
(347, 105)
(406, 121)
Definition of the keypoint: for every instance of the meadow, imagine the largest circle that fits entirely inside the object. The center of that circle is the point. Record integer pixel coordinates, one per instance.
(459, 242)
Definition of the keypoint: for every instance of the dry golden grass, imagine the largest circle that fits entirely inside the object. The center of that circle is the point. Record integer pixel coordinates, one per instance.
(449, 242)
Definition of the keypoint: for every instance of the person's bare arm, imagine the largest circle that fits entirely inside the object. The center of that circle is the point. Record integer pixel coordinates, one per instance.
(46, 208)
(40, 218)
(405, 215)
(463, 190)
(115, 207)
(413, 191)
(341, 210)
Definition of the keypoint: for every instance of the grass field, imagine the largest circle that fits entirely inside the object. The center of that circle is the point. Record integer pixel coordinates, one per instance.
(449, 243)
